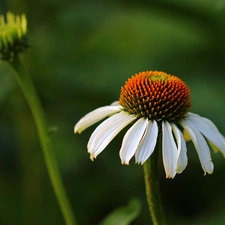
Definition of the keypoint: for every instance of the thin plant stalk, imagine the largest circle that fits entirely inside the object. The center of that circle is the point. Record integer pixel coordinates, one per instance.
(36, 108)
(151, 176)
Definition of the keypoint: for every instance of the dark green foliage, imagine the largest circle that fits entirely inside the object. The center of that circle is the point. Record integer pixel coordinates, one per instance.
(81, 54)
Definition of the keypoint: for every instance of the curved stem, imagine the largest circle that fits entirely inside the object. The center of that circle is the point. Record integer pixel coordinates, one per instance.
(151, 177)
(31, 96)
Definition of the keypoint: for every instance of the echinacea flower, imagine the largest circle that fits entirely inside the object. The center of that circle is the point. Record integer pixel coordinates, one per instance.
(155, 103)
(13, 36)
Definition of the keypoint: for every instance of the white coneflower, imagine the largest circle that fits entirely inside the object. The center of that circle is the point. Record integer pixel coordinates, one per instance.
(155, 103)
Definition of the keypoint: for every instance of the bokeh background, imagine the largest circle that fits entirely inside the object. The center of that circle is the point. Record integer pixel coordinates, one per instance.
(81, 53)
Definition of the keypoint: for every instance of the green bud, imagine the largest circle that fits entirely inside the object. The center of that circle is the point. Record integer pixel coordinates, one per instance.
(13, 36)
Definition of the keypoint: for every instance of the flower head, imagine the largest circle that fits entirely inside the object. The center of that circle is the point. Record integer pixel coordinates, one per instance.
(13, 36)
(156, 96)
(155, 103)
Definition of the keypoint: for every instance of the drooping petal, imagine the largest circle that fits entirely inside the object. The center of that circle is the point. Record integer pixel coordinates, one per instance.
(106, 131)
(95, 116)
(115, 103)
(148, 142)
(200, 145)
(208, 129)
(169, 150)
(182, 149)
(132, 139)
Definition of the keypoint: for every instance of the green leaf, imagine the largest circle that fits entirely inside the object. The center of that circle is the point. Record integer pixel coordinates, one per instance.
(123, 215)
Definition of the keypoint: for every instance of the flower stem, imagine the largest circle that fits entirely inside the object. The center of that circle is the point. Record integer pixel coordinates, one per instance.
(151, 177)
(31, 96)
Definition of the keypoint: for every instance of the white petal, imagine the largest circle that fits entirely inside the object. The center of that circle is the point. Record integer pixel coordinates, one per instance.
(132, 139)
(95, 116)
(116, 103)
(200, 145)
(182, 149)
(209, 130)
(106, 131)
(169, 150)
(147, 145)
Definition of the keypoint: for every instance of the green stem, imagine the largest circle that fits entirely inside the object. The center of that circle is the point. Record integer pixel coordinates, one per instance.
(31, 96)
(151, 176)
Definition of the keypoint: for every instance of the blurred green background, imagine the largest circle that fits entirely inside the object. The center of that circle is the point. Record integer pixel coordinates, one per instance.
(82, 53)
